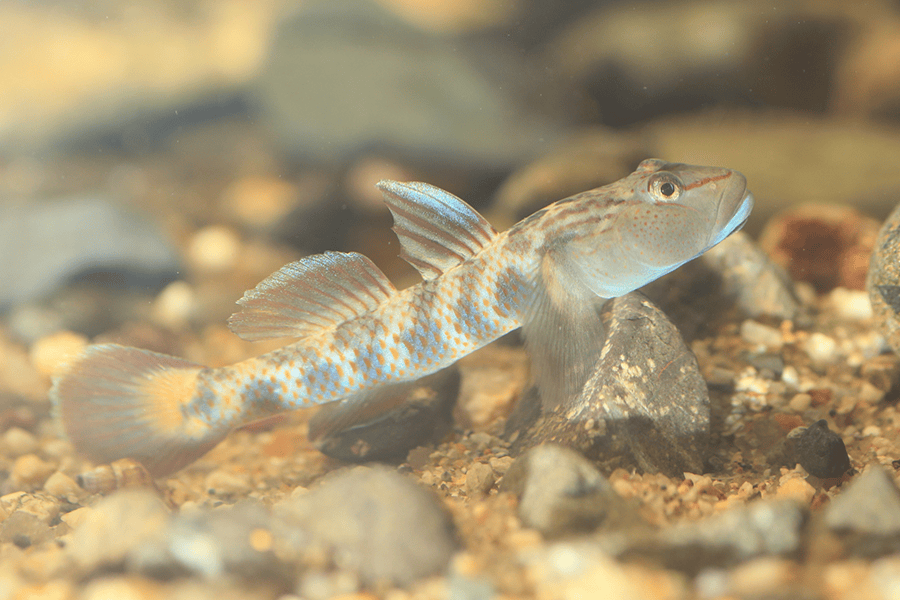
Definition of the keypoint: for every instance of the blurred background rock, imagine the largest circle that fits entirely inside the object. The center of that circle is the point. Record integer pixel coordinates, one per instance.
(145, 143)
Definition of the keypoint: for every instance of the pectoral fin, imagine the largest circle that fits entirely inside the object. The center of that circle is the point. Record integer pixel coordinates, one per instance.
(563, 330)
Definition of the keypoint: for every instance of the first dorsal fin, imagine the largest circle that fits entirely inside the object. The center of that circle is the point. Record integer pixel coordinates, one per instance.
(310, 294)
(437, 230)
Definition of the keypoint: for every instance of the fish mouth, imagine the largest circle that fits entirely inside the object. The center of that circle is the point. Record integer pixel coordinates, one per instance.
(737, 220)
(743, 213)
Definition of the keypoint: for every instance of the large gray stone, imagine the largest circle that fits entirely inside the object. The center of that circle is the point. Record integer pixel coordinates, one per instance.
(346, 76)
(645, 397)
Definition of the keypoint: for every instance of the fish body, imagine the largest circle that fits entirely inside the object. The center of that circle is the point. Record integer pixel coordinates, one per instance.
(359, 339)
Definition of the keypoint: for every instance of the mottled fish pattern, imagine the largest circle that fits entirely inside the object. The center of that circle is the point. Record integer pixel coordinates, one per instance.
(358, 338)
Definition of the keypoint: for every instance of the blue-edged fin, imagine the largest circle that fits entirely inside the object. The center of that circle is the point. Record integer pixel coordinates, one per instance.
(305, 296)
(563, 331)
(118, 402)
(437, 230)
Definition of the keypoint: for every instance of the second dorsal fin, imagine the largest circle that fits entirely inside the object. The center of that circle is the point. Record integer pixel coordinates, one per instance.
(310, 294)
(437, 230)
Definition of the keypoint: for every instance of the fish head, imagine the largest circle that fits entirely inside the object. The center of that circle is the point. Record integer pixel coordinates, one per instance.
(627, 234)
(676, 212)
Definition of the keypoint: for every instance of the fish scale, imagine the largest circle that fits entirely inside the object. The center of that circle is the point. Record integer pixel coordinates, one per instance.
(359, 340)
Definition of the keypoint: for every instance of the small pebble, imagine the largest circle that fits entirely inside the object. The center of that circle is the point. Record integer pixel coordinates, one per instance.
(479, 479)
(850, 305)
(822, 452)
(766, 528)
(754, 332)
(116, 527)
(822, 349)
(31, 470)
(18, 441)
(797, 489)
(75, 518)
(561, 492)
(225, 482)
(645, 397)
(50, 353)
(766, 577)
(45, 508)
(30, 520)
(800, 402)
(422, 415)
(61, 485)
(259, 202)
(755, 283)
(173, 306)
(122, 588)
(214, 248)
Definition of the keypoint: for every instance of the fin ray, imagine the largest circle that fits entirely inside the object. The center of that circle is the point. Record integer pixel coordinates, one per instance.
(563, 330)
(119, 402)
(437, 230)
(312, 293)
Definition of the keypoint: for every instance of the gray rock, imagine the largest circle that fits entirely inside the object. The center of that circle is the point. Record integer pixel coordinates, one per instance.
(867, 514)
(479, 479)
(356, 77)
(424, 415)
(55, 242)
(218, 542)
(702, 295)
(883, 281)
(118, 529)
(561, 492)
(666, 73)
(766, 528)
(372, 521)
(759, 286)
(645, 397)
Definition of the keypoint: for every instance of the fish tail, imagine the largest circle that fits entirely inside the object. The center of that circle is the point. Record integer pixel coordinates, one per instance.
(119, 402)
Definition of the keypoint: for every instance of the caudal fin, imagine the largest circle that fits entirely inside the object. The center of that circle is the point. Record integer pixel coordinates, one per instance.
(119, 402)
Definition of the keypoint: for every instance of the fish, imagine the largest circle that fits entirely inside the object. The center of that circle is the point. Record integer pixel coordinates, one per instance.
(357, 342)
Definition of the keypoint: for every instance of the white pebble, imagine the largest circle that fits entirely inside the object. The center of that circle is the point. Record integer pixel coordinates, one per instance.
(757, 333)
(850, 305)
(214, 248)
(821, 348)
(61, 485)
(871, 431)
(173, 306)
(19, 442)
(790, 376)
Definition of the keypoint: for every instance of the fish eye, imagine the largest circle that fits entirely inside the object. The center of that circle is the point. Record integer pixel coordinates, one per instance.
(665, 186)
